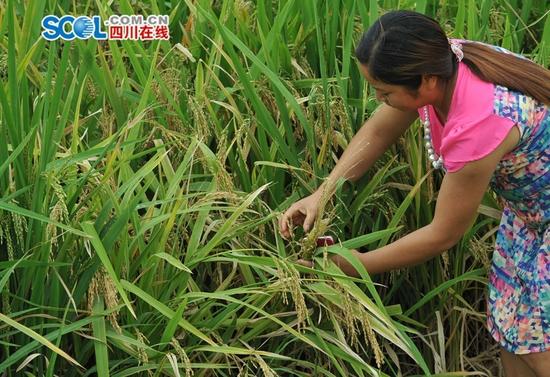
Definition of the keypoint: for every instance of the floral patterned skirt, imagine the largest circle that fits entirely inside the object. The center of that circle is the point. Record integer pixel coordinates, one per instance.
(519, 281)
(519, 286)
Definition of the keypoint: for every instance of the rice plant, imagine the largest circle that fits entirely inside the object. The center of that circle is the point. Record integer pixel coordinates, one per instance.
(141, 183)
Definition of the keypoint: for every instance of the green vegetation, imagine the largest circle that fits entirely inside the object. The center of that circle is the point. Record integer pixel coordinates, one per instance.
(141, 183)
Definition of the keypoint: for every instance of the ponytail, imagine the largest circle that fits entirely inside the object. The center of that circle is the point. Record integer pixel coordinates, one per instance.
(508, 70)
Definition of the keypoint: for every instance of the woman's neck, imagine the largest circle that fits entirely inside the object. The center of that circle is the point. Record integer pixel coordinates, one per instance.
(442, 106)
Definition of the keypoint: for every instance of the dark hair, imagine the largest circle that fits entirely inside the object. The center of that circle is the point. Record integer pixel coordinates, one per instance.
(401, 46)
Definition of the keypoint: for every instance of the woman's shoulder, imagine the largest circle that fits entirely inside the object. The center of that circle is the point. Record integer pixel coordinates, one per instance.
(473, 97)
(476, 101)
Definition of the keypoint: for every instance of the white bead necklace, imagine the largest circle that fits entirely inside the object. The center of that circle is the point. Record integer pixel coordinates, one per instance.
(437, 162)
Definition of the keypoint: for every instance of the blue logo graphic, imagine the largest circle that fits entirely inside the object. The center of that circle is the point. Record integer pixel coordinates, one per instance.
(82, 28)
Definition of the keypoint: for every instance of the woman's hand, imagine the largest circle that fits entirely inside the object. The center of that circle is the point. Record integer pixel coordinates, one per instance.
(340, 261)
(303, 212)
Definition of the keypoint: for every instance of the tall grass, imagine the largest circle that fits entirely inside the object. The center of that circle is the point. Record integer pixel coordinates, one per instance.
(141, 183)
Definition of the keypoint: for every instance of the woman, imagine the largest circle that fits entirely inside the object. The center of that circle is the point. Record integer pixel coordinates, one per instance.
(486, 122)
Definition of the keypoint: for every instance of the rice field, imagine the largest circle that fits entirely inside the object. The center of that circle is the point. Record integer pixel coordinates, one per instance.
(141, 183)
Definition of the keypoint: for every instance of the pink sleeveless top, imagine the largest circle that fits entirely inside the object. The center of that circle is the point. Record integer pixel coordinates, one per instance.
(473, 128)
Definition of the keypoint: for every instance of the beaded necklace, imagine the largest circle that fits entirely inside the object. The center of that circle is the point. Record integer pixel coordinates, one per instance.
(437, 161)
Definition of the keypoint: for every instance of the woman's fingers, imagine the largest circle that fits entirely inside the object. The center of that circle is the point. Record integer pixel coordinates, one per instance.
(293, 213)
(302, 213)
(341, 262)
(306, 263)
(308, 222)
(283, 223)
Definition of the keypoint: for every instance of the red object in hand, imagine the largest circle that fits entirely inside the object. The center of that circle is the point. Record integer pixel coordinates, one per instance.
(325, 241)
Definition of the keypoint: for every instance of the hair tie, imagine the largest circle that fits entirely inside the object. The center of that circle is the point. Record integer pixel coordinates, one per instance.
(456, 48)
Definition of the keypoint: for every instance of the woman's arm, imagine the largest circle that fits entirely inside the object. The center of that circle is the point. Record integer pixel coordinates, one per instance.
(380, 131)
(375, 136)
(459, 197)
